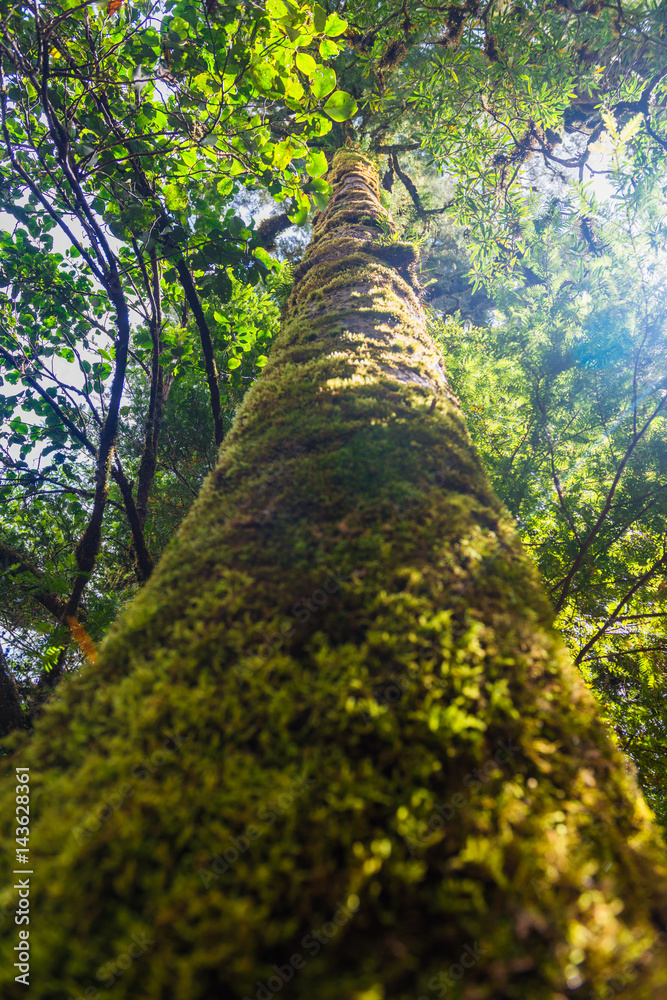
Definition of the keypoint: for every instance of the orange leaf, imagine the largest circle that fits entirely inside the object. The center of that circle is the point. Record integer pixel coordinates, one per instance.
(82, 639)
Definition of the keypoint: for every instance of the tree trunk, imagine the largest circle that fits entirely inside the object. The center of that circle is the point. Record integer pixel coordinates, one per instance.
(11, 715)
(334, 745)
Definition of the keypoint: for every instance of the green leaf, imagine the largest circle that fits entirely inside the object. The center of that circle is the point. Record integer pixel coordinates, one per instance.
(323, 82)
(264, 257)
(224, 187)
(18, 426)
(276, 8)
(234, 363)
(298, 216)
(334, 26)
(340, 106)
(236, 226)
(319, 18)
(222, 286)
(316, 164)
(321, 200)
(306, 63)
(328, 49)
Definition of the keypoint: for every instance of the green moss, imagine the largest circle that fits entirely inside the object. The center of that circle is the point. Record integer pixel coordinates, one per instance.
(372, 708)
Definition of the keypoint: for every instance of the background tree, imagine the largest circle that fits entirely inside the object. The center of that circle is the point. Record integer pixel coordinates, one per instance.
(568, 416)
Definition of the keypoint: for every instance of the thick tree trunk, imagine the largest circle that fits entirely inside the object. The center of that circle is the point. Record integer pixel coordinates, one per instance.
(334, 747)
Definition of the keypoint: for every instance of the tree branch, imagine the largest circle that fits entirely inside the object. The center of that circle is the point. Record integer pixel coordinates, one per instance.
(206, 340)
(644, 578)
(588, 541)
(143, 560)
(409, 186)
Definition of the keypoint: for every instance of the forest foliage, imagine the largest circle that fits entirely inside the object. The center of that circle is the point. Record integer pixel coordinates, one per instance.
(152, 154)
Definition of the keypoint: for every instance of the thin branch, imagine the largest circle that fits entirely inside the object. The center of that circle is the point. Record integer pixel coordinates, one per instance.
(206, 340)
(588, 541)
(179, 476)
(554, 473)
(410, 187)
(69, 424)
(143, 561)
(644, 578)
(629, 652)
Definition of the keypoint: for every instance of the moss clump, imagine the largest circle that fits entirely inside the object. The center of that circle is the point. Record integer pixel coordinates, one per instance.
(334, 742)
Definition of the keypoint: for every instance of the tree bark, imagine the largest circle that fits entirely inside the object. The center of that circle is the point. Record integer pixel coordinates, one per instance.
(11, 715)
(206, 340)
(335, 742)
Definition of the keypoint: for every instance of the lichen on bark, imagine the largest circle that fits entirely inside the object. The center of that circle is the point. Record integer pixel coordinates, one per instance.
(336, 723)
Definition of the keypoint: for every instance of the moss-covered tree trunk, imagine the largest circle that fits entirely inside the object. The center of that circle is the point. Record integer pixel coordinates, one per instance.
(334, 749)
